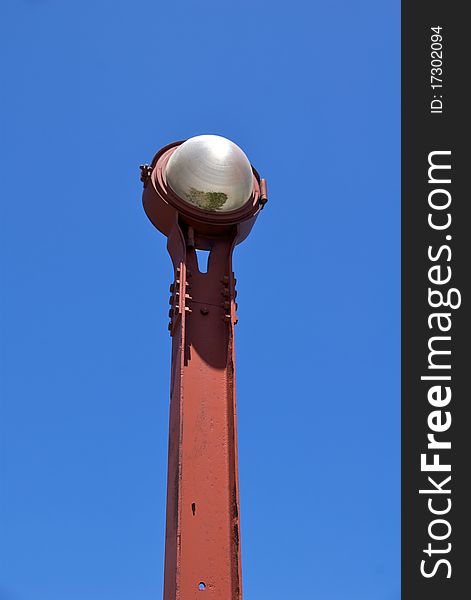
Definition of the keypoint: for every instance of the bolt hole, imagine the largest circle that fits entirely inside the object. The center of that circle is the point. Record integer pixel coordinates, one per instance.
(193, 508)
(201, 585)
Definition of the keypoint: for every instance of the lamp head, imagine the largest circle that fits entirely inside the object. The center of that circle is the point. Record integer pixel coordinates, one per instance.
(206, 183)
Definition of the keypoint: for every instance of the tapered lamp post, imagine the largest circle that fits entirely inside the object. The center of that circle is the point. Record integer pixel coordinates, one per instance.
(203, 194)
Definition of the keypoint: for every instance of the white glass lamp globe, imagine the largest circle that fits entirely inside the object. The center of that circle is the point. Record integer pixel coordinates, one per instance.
(211, 173)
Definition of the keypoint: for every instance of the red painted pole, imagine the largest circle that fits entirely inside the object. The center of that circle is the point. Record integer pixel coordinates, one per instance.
(202, 543)
(202, 551)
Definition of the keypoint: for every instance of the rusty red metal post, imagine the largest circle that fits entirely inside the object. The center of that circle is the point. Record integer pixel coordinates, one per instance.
(202, 546)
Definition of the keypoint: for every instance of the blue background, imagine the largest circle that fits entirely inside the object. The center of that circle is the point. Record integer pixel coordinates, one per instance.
(310, 90)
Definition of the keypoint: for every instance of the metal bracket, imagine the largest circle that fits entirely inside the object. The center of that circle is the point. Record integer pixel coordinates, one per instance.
(146, 171)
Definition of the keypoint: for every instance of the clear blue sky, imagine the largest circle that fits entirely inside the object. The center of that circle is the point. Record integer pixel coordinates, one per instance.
(91, 89)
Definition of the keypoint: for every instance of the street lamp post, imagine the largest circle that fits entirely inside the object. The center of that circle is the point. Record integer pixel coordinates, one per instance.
(203, 194)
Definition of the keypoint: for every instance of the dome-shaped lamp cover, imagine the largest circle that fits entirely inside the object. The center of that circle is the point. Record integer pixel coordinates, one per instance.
(211, 173)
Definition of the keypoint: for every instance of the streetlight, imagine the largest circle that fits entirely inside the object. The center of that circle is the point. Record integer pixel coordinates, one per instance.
(204, 195)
